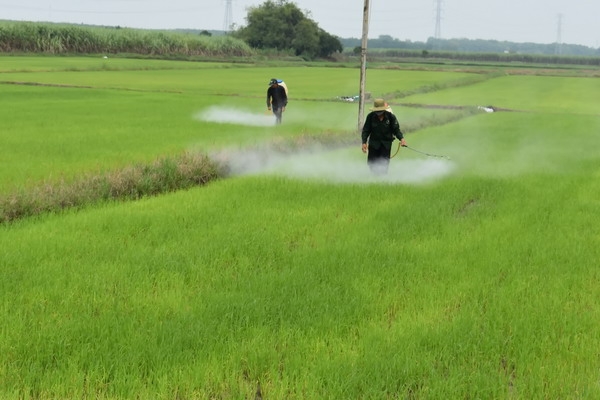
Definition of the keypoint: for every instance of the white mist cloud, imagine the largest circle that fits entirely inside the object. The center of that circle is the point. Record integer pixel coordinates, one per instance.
(322, 165)
(229, 115)
(316, 163)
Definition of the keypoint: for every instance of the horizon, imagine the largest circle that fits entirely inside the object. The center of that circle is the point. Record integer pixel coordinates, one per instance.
(554, 21)
(221, 31)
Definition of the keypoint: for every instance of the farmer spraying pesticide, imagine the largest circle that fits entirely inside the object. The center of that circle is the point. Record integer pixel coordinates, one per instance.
(379, 131)
(276, 99)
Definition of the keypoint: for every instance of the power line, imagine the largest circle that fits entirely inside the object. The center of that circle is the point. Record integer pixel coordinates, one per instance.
(106, 12)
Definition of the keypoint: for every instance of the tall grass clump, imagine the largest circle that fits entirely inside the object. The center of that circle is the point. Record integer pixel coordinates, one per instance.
(130, 183)
(50, 38)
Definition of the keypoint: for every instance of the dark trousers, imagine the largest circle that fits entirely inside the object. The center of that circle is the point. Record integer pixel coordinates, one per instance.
(379, 159)
(278, 112)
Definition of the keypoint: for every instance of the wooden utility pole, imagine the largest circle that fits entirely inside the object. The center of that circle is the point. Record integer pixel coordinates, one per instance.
(363, 65)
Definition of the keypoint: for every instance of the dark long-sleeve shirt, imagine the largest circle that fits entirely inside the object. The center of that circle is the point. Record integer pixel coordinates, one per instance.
(276, 97)
(381, 133)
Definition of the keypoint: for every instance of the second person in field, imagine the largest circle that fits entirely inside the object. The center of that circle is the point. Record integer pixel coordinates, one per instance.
(276, 99)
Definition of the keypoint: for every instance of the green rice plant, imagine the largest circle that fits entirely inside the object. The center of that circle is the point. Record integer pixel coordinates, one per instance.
(436, 87)
(320, 84)
(523, 93)
(479, 283)
(12, 64)
(59, 123)
(194, 293)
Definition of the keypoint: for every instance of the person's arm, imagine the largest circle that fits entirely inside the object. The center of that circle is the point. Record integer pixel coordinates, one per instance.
(403, 142)
(269, 99)
(397, 132)
(366, 131)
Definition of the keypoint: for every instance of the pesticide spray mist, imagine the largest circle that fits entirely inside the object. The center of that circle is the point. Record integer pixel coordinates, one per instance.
(225, 115)
(317, 162)
(337, 166)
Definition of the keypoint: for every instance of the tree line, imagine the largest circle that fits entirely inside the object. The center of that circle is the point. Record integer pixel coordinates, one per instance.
(475, 46)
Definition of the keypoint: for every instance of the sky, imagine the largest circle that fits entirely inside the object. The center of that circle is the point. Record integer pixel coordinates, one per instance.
(537, 21)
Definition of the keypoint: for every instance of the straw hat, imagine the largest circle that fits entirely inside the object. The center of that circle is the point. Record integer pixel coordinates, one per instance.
(379, 105)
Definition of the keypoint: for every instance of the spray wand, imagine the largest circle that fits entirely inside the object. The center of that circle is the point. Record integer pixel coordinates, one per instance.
(420, 152)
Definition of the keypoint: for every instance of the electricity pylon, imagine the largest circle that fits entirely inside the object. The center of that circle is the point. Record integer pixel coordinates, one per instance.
(438, 20)
(228, 16)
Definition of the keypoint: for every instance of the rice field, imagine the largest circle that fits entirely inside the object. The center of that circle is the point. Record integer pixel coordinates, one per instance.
(299, 275)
